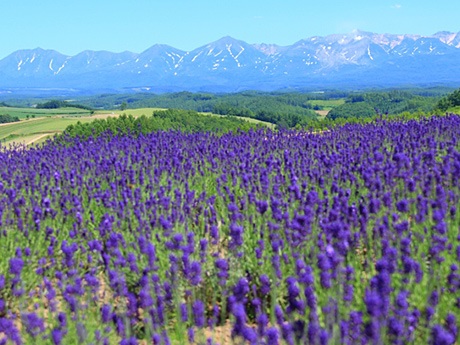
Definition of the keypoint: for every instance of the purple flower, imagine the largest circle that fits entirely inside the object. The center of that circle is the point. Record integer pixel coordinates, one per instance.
(56, 336)
(272, 336)
(323, 337)
(402, 206)
(325, 279)
(313, 332)
(439, 336)
(293, 293)
(348, 293)
(129, 341)
(264, 284)
(198, 312)
(156, 339)
(451, 323)
(401, 300)
(34, 324)
(184, 312)
(191, 335)
(236, 234)
(433, 299)
(262, 206)
(324, 263)
(287, 333)
(194, 273)
(373, 303)
(106, 313)
(262, 322)
(222, 266)
(395, 327)
(239, 313)
(429, 313)
(310, 297)
(16, 265)
(241, 289)
(249, 334)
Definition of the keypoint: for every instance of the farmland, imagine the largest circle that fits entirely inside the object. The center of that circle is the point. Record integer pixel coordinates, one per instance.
(22, 113)
(26, 130)
(281, 237)
(39, 129)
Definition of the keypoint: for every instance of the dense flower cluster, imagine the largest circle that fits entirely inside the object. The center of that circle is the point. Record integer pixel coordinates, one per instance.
(350, 236)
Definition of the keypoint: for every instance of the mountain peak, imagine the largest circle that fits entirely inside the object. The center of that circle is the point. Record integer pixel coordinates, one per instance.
(229, 64)
(226, 41)
(160, 48)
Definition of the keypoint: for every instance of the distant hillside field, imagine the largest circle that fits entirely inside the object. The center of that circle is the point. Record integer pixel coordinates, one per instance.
(23, 112)
(55, 121)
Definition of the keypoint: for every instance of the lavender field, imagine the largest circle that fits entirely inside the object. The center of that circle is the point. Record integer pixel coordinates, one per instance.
(350, 236)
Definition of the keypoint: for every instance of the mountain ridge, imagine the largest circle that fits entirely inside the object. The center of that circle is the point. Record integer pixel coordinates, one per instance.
(358, 58)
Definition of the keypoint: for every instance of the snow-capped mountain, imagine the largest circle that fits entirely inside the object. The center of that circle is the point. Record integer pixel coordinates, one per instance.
(355, 59)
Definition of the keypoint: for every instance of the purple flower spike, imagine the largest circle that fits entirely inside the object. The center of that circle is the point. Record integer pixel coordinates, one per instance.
(402, 206)
(272, 336)
(16, 265)
(198, 312)
(439, 336)
(57, 335)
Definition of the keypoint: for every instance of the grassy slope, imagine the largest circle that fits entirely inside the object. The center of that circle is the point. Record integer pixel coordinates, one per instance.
(455, 110)
(149, 111)
(328, 104)
(23, 112)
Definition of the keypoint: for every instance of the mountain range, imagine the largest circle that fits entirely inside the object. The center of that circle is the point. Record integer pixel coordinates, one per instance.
(357, 59)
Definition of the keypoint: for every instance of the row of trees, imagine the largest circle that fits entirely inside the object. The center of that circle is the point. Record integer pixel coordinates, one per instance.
(173, 119)
(392, 102)
(450, 101)
(56, 104)
(203, 102)
(6, 118)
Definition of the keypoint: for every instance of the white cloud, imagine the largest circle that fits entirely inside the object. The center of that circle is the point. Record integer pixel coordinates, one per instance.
(396, 6)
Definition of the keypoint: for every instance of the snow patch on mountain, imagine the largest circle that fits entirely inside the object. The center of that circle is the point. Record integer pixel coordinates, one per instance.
(235, 63)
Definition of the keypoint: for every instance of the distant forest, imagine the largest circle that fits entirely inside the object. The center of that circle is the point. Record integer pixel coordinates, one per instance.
(389, 103)
(284, 109)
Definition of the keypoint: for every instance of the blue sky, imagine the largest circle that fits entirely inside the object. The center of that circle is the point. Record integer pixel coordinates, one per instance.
(71, 26)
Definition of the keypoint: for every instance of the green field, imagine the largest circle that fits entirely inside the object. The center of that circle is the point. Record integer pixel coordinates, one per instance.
(49, 122)
(249, 119)
(454, 110)
(327, 104)
(23, 112)
(28, 130)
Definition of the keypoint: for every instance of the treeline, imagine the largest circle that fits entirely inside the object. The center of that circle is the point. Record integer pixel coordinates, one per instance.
(56, 104)
(172, 119)
(450, 101)
(274, 110)
(283, 109)
(286, 109)
(392, 102)
(6, 118)
(203, 101)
